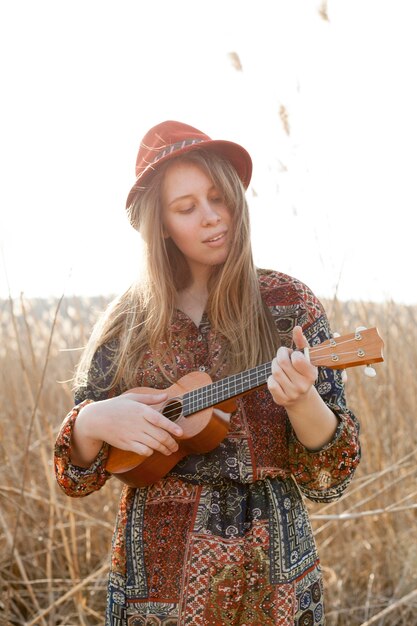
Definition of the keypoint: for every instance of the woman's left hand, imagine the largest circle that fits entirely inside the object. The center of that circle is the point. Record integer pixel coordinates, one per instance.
(293, 375)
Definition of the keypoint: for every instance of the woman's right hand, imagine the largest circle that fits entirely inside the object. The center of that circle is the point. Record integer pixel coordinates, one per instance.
(130, 422)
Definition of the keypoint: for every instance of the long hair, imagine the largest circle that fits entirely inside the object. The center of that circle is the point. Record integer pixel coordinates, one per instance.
(139, 320)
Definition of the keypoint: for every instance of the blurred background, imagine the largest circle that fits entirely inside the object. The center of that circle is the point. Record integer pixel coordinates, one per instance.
(323, 95)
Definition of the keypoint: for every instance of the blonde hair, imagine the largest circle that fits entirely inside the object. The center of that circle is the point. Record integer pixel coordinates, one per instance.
(139, 320)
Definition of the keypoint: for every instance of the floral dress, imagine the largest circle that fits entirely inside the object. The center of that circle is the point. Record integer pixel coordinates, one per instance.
(224, 538)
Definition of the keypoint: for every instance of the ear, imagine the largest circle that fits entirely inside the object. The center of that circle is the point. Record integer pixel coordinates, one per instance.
(165, 233)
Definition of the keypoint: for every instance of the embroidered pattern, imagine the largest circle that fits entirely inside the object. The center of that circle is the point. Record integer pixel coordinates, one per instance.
(224, 538)
(228, 583)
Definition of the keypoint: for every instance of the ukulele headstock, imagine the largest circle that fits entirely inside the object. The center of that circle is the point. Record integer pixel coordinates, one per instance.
(362, 347)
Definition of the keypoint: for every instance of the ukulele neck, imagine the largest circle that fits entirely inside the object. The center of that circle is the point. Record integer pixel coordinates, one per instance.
(222, 390)
(364, 346)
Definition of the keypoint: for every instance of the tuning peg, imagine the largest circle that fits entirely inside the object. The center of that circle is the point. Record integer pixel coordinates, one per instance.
(336, 334)
(344, 376)
(369, 371)
(359, 328)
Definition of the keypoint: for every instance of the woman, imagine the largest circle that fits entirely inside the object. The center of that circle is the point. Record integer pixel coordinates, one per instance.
(223, 538)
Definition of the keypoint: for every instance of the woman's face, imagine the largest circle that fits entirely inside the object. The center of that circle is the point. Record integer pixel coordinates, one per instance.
(195, 216)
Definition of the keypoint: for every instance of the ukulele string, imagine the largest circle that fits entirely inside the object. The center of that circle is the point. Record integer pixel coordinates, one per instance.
(322, 347)
(236, 384)
(326, 346)
(327, 350)
(319, 358)
(219, 391)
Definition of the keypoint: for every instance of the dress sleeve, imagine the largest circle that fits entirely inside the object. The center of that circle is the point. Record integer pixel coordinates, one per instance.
(79, 481)
(323, 475)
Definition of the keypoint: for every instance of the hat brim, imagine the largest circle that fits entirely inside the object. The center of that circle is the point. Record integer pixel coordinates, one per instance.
(228, 150)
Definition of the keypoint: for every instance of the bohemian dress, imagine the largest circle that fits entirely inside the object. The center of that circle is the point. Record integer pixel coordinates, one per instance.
(224, 538)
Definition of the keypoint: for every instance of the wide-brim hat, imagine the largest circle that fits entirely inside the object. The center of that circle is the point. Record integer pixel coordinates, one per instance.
(171, 139)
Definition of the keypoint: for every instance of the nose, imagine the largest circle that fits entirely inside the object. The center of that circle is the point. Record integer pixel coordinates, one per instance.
(210, 215)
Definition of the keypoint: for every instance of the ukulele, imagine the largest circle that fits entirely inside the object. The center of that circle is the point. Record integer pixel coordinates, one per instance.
(192, 398)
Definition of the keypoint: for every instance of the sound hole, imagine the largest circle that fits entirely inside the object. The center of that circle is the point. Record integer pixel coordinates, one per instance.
(173, 409)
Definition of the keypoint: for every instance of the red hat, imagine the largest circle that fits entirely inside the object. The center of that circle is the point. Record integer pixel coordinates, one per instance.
(170, 139)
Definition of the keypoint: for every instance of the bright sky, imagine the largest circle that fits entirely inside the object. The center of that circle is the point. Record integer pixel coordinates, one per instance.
(332, 202)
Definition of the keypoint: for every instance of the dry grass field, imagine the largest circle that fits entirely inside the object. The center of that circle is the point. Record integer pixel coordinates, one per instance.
(54, 550)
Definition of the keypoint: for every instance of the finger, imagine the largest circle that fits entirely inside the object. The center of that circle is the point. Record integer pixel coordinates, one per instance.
(299, 360)
(162, 422)
(303, 367)
(158, 440)
(154, 416)
(288, 387)
(277, 391)
(161, 435)
(147, 398)
(144, 438)
(140, 448)
(282, 356)
(293, 373)
(281, 366)
(299, 339)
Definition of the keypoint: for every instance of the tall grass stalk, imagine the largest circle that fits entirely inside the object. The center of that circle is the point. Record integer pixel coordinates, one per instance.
(55, 550)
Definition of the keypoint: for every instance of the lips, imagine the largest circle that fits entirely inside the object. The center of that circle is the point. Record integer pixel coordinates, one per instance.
(215, 237)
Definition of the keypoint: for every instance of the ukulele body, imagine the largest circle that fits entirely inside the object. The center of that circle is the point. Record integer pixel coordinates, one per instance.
(203, 431)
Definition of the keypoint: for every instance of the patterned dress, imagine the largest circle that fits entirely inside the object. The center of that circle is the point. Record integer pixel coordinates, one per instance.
(224, 538)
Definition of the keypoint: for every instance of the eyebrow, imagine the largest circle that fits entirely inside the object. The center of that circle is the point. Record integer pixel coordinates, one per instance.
(190, 195)
(184, 197)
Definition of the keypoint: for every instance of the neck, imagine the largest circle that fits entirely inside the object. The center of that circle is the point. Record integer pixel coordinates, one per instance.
(199, 277)
(192, 300)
